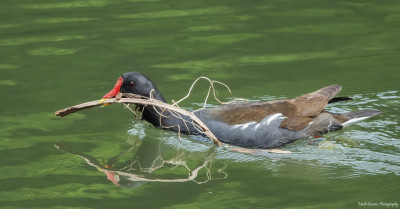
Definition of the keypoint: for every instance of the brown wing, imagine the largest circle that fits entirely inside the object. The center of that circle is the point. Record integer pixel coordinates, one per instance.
(299, 110)
(313, 103)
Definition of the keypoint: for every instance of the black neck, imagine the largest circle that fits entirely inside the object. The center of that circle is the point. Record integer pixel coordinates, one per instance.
(168, 120)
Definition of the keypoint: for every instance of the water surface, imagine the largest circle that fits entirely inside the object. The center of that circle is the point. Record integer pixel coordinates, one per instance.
(57, 54)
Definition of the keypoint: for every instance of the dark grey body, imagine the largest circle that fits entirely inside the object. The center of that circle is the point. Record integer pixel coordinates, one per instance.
(262, 126)
(267, 133)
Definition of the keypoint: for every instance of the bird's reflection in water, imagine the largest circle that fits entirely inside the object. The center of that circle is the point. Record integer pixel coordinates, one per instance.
(150, 160)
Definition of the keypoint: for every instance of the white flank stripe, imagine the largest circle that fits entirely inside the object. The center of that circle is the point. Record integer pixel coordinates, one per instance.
(273, 117)
(354, 120)
(244, 126)
(236, 126)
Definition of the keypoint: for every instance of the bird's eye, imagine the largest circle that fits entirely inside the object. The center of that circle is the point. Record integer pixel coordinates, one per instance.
(131, 84)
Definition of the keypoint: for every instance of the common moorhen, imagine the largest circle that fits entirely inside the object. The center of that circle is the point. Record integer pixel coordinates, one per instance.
(254, 124)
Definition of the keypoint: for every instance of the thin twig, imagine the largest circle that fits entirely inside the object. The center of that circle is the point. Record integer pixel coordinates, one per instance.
(136, 99)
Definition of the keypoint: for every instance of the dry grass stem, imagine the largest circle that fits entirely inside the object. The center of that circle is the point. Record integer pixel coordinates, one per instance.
(215, 93)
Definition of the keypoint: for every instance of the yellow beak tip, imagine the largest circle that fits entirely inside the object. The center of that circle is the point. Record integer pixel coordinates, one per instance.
(102, 101)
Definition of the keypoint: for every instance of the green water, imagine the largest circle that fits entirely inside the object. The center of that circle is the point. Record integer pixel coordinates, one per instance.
(57, 54)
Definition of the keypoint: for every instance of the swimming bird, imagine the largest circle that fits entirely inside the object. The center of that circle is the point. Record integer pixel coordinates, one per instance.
(264, 124)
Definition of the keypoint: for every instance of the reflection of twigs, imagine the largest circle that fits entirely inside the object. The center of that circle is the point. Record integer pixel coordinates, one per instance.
(115, 174)
(191, 177)
(112, 176)
(208, 93)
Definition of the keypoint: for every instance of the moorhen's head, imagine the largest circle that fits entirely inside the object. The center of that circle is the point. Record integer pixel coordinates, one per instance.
(134, 83)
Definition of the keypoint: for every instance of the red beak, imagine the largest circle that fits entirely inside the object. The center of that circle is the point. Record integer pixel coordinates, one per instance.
(114, 91)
